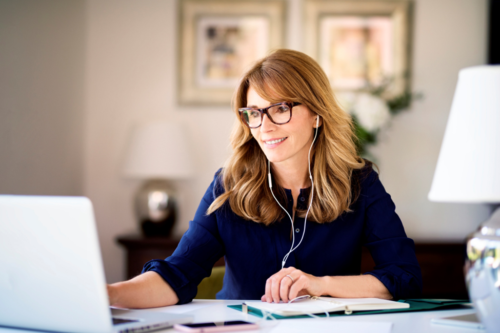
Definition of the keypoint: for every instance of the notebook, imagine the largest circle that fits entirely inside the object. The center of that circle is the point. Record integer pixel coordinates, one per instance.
(317, 305)
(51, 274)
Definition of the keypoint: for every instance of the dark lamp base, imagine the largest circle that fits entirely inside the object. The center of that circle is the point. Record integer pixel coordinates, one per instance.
(156, 208)
(158, 229)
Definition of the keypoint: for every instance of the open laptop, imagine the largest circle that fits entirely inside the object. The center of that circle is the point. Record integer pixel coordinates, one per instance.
(51, 274)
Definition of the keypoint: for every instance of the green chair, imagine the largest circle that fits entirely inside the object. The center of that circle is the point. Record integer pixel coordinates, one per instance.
(212, 284)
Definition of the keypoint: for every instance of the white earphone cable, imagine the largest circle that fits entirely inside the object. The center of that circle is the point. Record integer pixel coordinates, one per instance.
(292, 248)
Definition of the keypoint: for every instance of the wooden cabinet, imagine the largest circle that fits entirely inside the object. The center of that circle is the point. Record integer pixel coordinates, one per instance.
(442, 269)
(142, 249)
(441, 263)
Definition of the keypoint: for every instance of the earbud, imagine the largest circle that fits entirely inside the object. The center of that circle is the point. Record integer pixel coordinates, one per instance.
(317, 121)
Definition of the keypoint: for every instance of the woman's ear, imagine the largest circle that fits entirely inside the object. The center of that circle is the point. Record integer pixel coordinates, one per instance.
(319, 121)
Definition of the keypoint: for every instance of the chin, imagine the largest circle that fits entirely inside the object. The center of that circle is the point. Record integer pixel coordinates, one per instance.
(275, 155)
(274, 158)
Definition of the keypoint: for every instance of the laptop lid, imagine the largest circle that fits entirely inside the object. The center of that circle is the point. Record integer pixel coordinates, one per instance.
(51, 273)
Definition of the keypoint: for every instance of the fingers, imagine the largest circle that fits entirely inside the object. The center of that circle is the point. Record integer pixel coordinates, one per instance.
(285, 285)
(298, 286)
(282, 287)
(278, 285)
(269, 284)
(275, 288)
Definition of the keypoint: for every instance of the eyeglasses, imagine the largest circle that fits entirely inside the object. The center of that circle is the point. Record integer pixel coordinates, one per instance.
(279, 113)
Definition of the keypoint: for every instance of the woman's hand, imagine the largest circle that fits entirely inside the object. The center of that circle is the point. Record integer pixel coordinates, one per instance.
(289, 283)
(111, 294)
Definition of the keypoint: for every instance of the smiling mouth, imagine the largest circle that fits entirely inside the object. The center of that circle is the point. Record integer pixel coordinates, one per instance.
(272, 142)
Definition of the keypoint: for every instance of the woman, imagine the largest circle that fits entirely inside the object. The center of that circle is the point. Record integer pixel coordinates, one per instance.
(291, 208)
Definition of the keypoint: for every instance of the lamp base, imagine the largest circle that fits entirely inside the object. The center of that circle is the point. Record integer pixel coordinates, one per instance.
(158, 229)
(483, 272)
(156, 208)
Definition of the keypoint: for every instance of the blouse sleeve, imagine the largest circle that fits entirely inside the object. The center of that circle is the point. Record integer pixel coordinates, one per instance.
(396, 264)
(196, 254)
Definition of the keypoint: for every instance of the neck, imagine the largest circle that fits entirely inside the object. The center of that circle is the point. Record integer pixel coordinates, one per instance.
(293, 177)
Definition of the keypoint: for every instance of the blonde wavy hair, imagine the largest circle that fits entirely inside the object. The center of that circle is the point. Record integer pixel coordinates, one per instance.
(291, 76)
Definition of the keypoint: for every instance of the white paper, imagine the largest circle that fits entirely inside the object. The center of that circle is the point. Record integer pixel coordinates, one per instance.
(328, 304)
(324, 325)
(192, 306)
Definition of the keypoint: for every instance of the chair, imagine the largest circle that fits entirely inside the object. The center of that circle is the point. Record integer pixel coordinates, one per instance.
(212, 284)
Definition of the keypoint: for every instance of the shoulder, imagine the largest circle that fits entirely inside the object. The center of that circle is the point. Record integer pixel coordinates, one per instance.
(218, 183)
(366, 182)
(365, 176)
(216, 188)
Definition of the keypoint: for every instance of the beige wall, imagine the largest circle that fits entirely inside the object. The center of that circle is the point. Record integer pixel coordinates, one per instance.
(81, 73)
(131, 78)
(41, 96)
(131, 51)
(448, 35)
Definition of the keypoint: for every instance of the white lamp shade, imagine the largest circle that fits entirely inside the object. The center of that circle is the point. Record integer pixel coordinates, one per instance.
(158, 150)
(468, 168)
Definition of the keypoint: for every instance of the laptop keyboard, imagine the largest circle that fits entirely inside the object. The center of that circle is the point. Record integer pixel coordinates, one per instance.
(118, 321)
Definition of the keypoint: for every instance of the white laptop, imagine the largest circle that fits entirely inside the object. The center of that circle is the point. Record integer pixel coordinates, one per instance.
(51, 274)
(465, 321)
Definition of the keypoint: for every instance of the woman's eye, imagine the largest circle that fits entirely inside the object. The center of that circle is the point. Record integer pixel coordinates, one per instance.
(283, 109)
(254, 114)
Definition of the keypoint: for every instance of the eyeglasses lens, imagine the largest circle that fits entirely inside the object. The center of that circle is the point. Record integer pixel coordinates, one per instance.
(252, 117)
(279, 114)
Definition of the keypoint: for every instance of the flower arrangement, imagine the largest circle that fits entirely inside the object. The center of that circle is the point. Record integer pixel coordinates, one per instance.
(372, 110)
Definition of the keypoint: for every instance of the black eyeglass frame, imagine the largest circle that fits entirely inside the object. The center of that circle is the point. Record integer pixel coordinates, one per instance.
(263, 111)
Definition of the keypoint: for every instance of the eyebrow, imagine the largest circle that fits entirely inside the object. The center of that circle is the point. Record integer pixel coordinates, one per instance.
(255, 106)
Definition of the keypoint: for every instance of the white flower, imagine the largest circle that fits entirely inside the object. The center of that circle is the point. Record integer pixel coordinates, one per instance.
(345, 99)
(371, 111)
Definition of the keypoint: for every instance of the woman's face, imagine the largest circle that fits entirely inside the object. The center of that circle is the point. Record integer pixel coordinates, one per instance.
(287, 144)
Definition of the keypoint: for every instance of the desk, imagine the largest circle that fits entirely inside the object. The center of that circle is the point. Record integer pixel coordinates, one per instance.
(410, 322)
(217, 310)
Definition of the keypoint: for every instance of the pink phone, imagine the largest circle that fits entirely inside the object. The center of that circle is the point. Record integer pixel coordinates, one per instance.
(221, 326)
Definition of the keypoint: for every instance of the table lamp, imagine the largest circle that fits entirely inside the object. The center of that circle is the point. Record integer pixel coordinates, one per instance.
(157, 152)
(468, 170)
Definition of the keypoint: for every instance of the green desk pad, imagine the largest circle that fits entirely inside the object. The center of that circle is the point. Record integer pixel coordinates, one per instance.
(415, 305)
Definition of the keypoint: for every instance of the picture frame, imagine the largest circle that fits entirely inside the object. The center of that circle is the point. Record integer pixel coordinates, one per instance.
(219, 41)
(361, 44)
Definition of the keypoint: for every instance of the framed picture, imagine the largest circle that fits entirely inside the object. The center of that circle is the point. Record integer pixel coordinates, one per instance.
(360, 44)
(219, 41)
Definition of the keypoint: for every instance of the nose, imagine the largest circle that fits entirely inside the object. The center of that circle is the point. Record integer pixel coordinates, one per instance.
(267, 124)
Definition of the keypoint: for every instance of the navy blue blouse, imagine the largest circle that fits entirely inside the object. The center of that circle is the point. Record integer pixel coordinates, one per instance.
(253, 251)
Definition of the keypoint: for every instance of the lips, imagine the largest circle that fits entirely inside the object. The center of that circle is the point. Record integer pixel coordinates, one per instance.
(274, 141)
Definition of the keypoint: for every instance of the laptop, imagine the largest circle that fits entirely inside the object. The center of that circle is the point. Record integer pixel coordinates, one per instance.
(465, 321)
(51, 273)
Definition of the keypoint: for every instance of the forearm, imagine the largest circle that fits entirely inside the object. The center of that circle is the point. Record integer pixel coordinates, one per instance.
(147, 290)
(354, 287)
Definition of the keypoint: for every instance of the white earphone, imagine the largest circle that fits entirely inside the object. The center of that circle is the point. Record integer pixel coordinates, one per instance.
(292, 248)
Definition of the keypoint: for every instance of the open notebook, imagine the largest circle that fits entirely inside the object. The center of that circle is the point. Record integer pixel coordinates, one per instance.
(316, 305)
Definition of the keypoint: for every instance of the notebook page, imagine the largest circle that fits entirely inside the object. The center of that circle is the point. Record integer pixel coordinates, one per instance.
(302, 307)
(366, 303)
(328, 304)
